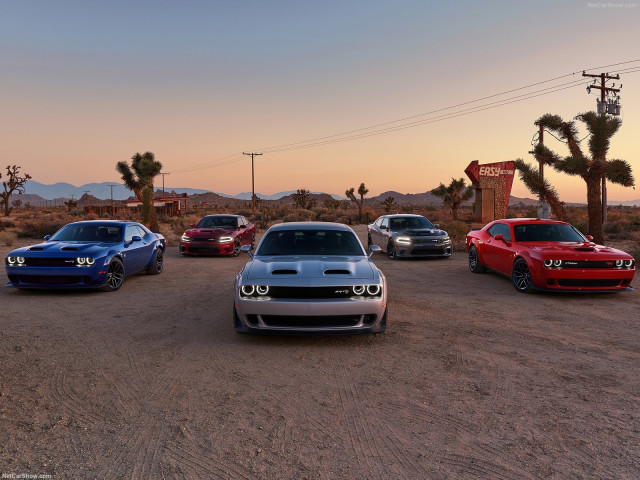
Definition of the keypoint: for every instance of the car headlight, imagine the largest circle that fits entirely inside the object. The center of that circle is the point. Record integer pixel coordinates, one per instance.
(370, 290)
(16, 261)
(619, 263)
(225, 239)
(254, 291)
(553, 263)
(444, 240)
(85, 261)
(186, 238)
(628, 263)
(403, 240)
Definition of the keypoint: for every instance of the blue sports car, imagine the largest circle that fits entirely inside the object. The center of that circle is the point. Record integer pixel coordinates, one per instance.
(90, 254)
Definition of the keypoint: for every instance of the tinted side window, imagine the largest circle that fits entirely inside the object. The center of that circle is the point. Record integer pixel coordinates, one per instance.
(500, 228)
(385, 222)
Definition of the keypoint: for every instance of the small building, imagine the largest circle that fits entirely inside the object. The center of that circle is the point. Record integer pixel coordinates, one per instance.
(167, 205)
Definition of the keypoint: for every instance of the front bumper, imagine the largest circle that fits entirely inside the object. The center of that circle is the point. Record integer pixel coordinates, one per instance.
(57, 278)
(583, 280)
(311, 316)
(422, 250)
(206, 248)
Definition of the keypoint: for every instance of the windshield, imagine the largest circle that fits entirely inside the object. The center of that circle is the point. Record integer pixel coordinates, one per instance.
(217, 222)
(84, 232)
(547, 233)
(310, 242)
(409, 223)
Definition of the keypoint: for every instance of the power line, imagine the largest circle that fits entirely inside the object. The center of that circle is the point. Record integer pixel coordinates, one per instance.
(388, 127)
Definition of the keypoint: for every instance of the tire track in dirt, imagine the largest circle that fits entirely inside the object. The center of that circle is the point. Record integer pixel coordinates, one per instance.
(62, 391)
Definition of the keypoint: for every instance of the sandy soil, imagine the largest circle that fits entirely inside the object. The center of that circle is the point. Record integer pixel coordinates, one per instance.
(471, 381)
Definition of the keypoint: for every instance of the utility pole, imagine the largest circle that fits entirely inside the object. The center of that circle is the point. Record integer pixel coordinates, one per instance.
(543, 209)
(163, 174)
(112, 185)
(253, 189)
(604, 108)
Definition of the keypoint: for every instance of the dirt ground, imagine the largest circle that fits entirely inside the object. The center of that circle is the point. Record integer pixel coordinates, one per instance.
(472, 380)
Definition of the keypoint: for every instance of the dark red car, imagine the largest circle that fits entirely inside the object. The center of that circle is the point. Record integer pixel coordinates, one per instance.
(548, 255)
(218, 235)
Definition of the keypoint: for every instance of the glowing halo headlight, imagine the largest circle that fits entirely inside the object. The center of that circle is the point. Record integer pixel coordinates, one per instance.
(91, 261)
(247, 289)
(628, 263)
(359, 289)
(373, 289)
(557, 263)
(548, 263)
(262, 289)
(619, 263)
(403, 240)
(11, 260)
(20, 259)
(81, 260)
(225, 239)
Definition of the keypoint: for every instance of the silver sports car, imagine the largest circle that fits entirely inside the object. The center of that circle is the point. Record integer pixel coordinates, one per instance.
(310, 277)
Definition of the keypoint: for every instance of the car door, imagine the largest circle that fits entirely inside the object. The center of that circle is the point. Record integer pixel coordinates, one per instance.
(497, 252)
(135, 253)
(383, 233)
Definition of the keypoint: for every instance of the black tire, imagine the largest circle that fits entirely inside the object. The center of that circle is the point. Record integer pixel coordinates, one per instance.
(391, 250)
(115, 275)
(474, 261)
(157, 264)
(236, 248)
(521, 276)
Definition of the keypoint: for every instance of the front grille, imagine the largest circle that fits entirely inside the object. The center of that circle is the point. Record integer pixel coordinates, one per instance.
(429, 251)
(609, 264)
(310, 292)
(589, 283)
(204, 249)
(293, 321)
(204, 239)
(50, 262)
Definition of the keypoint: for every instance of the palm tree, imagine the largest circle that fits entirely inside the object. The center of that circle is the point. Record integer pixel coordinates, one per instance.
(592, 170)
(362, 191)
(453, 195)
(538, 186)
(139, 177)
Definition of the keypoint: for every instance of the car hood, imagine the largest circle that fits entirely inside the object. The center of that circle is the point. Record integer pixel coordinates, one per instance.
(575, 249)
(61, 249)
(338, 267)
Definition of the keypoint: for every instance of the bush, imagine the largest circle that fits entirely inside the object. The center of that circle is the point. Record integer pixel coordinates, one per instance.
(39, 227)
(8, 238)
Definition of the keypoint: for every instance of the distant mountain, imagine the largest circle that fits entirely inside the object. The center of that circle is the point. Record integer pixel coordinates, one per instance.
(276, 196)
(98, 190)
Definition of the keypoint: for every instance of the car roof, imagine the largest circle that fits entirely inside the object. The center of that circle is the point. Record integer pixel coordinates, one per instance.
(517, 221)
(108, 222)
(311, 226)
(393, 215)
(222, 215)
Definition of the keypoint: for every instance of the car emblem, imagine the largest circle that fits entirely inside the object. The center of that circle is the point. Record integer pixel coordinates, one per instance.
(609, 264)
(342, 291)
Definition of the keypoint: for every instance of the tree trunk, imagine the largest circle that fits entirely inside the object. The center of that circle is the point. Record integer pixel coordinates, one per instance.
(594, 209)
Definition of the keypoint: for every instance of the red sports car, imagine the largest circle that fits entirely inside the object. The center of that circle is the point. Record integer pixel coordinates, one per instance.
(218, 235)
(548, 255)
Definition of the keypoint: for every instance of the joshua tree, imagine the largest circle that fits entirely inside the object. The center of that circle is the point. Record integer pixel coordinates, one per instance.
(303, 199)
(138, 177)
(453, 195)
(592, 170)
(538, 186)
(362, 191)
(13, 183)
(388, 203)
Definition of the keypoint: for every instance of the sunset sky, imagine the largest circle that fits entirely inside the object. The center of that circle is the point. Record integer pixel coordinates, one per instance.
(85, 84)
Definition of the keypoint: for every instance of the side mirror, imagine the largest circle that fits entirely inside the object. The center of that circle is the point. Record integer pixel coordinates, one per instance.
(47, 237)
(499, 237)
(246, 249)
(136, 238)
(437, 225)
(373, 249)
(193, 225)
(242, 226)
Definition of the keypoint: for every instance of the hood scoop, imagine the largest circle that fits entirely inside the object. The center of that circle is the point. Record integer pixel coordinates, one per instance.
(584, 249)
(69, 249)
(33, 249)
(284, 272)
(336, 271)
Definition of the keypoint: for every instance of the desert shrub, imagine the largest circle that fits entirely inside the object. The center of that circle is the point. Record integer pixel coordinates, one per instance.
(457, 230)
(39, 227)
(76, 212)
(6, 223)
(299, 215)
(8, 238)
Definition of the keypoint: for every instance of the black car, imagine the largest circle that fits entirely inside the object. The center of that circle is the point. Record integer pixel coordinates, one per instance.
(403, 235)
